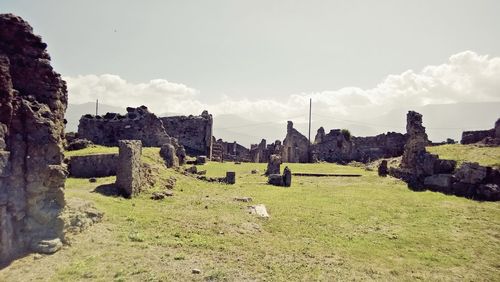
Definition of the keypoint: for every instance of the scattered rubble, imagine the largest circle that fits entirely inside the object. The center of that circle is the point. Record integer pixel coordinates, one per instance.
(259, 210)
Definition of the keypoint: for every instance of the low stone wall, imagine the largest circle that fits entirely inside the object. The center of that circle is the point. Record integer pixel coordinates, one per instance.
(471, 137)
(93, 165)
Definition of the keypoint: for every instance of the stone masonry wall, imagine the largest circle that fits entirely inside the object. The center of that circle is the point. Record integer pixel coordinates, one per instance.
(296, 147)
(192, 132)
(93, 165)
(33, 100)
(138, 124)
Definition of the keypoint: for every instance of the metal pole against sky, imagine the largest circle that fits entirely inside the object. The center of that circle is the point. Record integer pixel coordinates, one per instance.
(96, 107)
(310, 108)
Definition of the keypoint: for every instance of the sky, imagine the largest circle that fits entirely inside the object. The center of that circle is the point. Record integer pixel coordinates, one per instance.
(262, 60)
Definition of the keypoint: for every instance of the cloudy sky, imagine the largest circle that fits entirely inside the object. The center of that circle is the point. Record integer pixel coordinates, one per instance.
(262, 60)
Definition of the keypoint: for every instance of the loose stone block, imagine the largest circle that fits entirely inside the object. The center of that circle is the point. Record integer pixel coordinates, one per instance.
(230, 177)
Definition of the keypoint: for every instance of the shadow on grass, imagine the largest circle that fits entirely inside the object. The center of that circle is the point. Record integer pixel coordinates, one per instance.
(109, 190)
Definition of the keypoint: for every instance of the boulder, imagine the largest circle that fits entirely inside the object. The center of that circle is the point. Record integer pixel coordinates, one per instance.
(275, 179)
(167, 152)
(488, 192)
(287, 177)
(439, 182)
(471, 173)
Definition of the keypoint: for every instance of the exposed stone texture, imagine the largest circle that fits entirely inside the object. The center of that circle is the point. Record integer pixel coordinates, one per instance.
(491, 136)
(200, 160)
(340, 147)
(93, 165)
(383, 169)
(295, 146)
(471, 173)
(78, 144)
(192, 132)
(33, 101)
(287, 177)
(439, 182)
(260, 153)
(138, 124)
(167, 152)
(173, 153)
(273, 165)
(230, 177)
(229, 151)
(128, 173)
(422, 170)
(275, 179)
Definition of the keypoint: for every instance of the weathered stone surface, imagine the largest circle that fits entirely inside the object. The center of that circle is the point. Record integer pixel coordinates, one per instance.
(295, 146)
(471, 173)
(439, 182)
(79, 215)
(78, 144)
(444, 166)
(287, 177)
(93, 165)
(194, 133)
(340, 147)
(275, 179)
(490, 136)
(167, 152)
(33, 101)
(490, 192)
(128, 172)
(138, 124)
(47, 246)
(383, 169)
(230, 177)
(259, 210)
(273, 165)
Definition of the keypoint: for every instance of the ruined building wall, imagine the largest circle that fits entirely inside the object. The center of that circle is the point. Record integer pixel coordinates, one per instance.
(33, 100)
(137, 124)
(491, 136)
(295, 146)
(339, 146)
(192, 132)
(232, 151)
(260, 153)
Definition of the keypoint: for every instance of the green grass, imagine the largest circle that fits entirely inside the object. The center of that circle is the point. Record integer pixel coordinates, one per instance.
(92, 150)
(327, 228)
(488, 156)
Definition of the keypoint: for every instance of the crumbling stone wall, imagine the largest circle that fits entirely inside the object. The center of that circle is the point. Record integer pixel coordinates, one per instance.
(230, 151)
(339, 146)
(295, 146)
(260, 153)
(93, 165)
(128, 172)
(192, 132)
(491, 136)
(33, 100)
(138, 124)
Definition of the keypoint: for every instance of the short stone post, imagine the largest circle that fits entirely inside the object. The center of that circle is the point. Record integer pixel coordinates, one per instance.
(273, 165)
(287, 177)
(230, 177)
(128, 172)
(382, 169)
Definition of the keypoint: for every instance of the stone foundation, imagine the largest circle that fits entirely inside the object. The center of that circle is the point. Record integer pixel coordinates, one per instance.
(93, 165)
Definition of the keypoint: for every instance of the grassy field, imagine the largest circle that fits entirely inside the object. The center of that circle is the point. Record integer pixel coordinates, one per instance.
(328, 228)
(489, 156)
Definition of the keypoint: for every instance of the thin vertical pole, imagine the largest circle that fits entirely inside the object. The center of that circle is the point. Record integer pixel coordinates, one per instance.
(310, 108)
(97, 107)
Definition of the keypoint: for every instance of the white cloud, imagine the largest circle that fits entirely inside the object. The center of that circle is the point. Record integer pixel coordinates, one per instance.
(465, 77)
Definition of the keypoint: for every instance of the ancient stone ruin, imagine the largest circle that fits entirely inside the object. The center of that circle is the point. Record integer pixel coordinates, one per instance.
(340, 147)
(487, 137)
(422, 170)
(172, 153)
(192, 132)
(33, 100)
(88, 166)
(273, 165)
(260, 153)
(296, 147)
(128, 173)
(284, 180)
(229, 151)
(138, 124)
